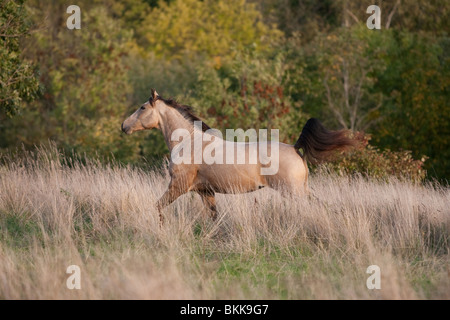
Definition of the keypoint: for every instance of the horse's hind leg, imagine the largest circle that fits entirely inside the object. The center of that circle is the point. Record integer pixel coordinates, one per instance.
(209, 200)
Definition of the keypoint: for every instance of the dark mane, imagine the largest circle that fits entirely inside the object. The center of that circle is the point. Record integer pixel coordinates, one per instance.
(186, 111)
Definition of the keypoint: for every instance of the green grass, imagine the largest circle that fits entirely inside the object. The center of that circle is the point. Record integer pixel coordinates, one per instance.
(19, 232)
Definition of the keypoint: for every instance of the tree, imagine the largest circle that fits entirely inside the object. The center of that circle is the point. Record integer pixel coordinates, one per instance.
(186, 28)
(247, 92)
(18, 78)
(86, 86)
(416, 112)
(335, 74)
(302, 18)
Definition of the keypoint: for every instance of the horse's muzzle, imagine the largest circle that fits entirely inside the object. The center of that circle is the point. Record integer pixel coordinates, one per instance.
(126, 129)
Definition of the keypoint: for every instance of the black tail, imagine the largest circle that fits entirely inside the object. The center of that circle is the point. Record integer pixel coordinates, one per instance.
(318, 143)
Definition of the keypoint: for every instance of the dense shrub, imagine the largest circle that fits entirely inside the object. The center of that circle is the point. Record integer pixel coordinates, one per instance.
(375, 163)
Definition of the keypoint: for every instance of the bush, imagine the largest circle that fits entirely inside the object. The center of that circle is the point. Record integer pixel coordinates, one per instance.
(375, 163)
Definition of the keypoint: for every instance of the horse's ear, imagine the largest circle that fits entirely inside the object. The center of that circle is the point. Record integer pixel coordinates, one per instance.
(154, 94)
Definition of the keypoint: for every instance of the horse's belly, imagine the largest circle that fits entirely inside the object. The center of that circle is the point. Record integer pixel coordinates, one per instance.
(226, 178)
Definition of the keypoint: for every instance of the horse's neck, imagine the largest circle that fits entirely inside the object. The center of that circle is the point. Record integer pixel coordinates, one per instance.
(172, 120)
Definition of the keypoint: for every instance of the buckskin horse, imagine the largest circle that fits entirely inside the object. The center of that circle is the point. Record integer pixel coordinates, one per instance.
(315, 141)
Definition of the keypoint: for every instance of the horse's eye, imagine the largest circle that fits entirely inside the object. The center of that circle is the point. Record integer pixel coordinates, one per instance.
(143, 108)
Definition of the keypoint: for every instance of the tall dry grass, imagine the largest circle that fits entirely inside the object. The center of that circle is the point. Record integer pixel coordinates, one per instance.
(56, 212)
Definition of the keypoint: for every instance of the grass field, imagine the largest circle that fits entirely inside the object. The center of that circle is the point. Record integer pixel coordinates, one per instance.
(55, 213)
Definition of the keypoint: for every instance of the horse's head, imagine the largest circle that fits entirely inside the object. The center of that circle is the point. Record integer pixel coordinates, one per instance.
(146, 117)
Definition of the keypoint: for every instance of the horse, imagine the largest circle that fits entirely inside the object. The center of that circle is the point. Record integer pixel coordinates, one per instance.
(207, 179)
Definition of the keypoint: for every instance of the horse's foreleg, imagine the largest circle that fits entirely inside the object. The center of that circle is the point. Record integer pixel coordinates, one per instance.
(172, 193)
(169, 196)
(209, 200)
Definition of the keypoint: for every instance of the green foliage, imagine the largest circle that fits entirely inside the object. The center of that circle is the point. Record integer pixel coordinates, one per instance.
(86, 86)
(247, 92)
(211, 28)
(416, 112)
(18, 79)
(337, 76)
(312, 17)
(132, 15)
(423, 16)
(305, 18)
